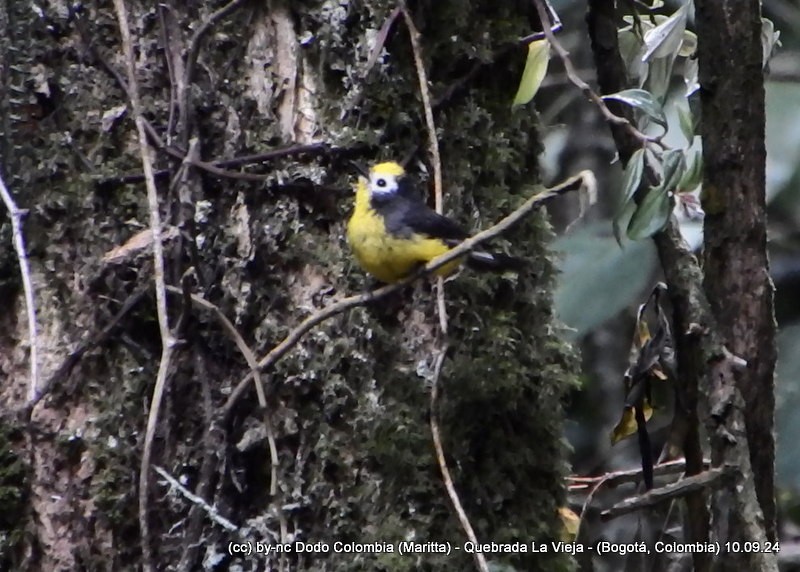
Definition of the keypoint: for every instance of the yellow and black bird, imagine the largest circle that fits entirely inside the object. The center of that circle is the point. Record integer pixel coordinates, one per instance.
(393, 232)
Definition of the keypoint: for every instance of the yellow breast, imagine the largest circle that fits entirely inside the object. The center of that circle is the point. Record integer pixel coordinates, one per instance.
(388, 258)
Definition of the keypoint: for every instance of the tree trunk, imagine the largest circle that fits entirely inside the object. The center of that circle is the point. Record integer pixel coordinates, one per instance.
(737, 277)
(349, 404)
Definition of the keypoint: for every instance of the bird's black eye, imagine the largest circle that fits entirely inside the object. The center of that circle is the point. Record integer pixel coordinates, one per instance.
(381, 183)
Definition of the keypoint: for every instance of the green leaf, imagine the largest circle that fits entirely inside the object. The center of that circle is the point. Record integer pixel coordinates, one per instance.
(688, 45)
(685, 120)
(630, 48)
(589, 258)
(674, 166)
(633, 175)
(769, 39)
(665, 39)
(643, 100)
(659, 77)
(534, 72)
(622, 218)
(693, 176)
(651, 215)
(690, 76)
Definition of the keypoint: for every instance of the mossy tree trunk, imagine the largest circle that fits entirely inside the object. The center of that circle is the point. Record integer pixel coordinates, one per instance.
(349, 404)
(735, 259)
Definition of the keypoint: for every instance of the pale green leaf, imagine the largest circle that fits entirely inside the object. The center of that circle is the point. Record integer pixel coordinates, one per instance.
(659, 77)
(685, 120)
(690, 76)
(630, 48)
(688, 45)
(589, 257)
(693, 176)
(643, 100)
(651, 215)
(674, 166)
(769, 39)
(534, 72)
(621, 220)
(665, 39)
(633, 175)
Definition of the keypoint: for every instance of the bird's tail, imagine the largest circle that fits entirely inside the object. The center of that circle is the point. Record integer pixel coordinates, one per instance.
(496, 262)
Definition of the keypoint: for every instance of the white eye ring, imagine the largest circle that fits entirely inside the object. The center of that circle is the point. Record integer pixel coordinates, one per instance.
(381, 183)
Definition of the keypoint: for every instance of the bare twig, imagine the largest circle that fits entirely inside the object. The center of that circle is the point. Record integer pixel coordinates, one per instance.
(312, 149)
(583, 86)
(16, 215)
(94, 340)
(173, 59)
(216, 167)
(555, 27)
(184, 117)
(584, 179)
(681, 271)
(711, 478)
(480, 559)
(202, 30)
(211, 511)
(250, 358)
(380, 39)
(617, 478)
(614, 479)
(167, 342)
(433, 146)
(436, 160)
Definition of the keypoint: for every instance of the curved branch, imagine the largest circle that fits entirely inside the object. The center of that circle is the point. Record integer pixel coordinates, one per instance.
(16, 215)
(584, 179)
(167, 341)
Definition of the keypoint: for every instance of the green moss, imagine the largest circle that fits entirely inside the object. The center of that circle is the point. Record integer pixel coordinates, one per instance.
(14, 494)
(350, 402)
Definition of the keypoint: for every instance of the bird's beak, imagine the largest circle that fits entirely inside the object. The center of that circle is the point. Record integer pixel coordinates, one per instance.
(360, 168)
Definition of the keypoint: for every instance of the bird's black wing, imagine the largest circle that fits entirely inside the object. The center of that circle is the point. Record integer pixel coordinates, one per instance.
(407, 216)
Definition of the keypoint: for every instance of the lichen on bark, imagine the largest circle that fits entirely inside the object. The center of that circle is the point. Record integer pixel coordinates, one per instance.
(349, 404)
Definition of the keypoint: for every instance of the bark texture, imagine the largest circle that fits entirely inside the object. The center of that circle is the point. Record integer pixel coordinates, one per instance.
(349, 404)
(678, 265)
(707, 387)
(735, 260)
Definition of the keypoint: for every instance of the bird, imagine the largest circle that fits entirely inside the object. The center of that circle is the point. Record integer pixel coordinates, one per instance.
(392, 232)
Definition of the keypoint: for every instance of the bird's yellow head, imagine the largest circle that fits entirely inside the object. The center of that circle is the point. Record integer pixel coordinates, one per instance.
(384, 178)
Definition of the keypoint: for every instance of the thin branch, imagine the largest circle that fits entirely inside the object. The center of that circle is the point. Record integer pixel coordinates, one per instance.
(167, 342)
(151, 131)
(250, 358)
(681, 271)
(27, 286)
(172, 58)
(380, 39)
(583, 86)
(584, 179)
(184, 86)
(227, 174)
(433, 147)
(312, 149)
(555, 27)
(211, 511)
(616, 478)
(216, 167)
(96, 339)
(480, 559)
(715, 477)
(202, 30)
